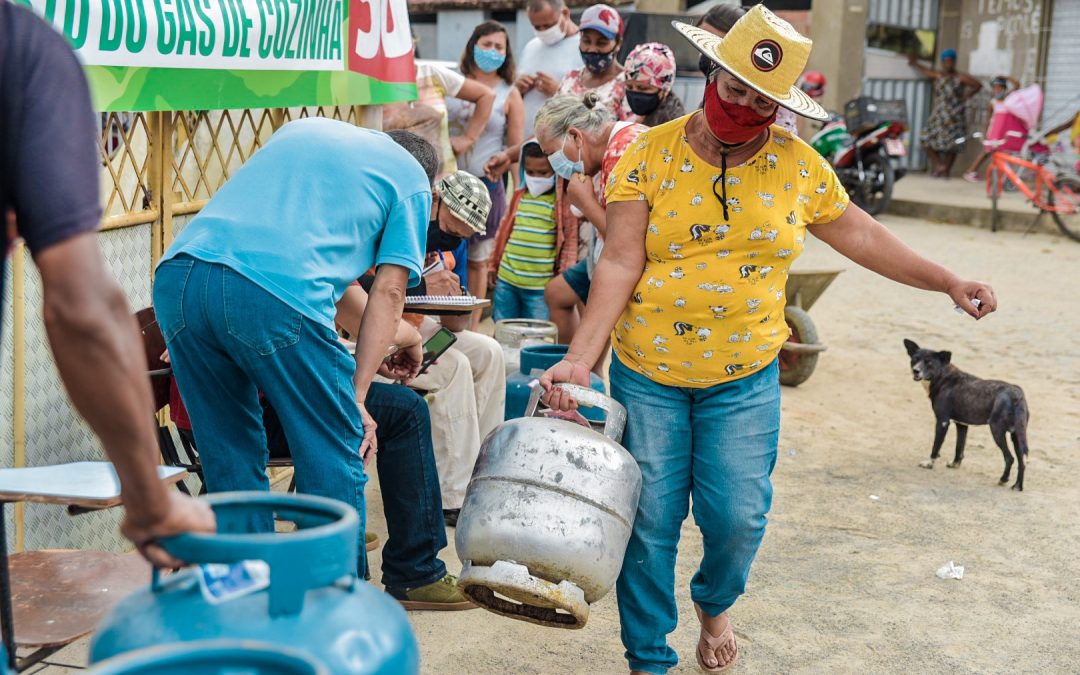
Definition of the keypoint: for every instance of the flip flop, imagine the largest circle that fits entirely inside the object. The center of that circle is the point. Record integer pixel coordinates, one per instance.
(715, 642)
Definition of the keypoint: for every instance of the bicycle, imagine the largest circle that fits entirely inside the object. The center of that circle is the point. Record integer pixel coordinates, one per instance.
(1055, 192)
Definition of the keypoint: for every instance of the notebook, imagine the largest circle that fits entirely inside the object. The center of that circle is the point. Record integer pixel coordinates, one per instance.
(445, 300)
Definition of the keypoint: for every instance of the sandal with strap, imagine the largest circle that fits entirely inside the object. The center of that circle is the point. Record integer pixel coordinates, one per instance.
(714, 643)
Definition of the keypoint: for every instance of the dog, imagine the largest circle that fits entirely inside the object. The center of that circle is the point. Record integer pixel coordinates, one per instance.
(964, 399)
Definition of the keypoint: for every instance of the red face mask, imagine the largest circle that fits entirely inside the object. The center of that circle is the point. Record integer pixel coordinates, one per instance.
(732, 123)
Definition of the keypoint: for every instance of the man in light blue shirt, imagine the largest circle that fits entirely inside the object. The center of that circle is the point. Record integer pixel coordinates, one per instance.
(246, 295)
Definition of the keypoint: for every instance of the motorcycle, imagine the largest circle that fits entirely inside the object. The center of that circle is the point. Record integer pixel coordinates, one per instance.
(869, 161)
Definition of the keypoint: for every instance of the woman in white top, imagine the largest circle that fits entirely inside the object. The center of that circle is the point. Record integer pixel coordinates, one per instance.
(488, 60)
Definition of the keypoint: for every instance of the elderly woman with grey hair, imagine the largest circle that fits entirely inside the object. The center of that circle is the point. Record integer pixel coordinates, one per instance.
(583, 142)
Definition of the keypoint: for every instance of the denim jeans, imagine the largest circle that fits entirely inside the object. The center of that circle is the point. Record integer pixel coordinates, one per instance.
(408, 478)
(718, 446)
(229, 339)
(511, 302)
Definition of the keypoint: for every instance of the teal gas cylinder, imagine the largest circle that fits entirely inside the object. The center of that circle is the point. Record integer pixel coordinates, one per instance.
(213, 657)
(314, 602)
(535, 359)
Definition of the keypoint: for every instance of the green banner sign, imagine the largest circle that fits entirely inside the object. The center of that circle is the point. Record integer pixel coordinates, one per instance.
(211, 54)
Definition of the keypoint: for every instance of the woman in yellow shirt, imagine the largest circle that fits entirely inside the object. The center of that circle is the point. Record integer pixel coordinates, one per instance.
(705, 216)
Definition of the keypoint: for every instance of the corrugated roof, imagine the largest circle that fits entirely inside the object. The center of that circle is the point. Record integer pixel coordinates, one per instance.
(429, 6)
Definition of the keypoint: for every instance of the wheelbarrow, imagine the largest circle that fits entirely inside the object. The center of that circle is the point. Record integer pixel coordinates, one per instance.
(799, 355)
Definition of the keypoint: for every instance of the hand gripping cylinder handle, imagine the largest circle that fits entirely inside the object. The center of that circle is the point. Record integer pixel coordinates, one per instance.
(614, 419)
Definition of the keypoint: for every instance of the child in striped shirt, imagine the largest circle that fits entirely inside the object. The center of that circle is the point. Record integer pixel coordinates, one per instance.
(531, 238)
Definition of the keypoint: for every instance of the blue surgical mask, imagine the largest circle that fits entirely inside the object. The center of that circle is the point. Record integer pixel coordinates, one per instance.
(562, 165)
(488, 60)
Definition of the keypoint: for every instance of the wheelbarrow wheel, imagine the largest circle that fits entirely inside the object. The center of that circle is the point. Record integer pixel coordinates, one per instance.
(795, 367)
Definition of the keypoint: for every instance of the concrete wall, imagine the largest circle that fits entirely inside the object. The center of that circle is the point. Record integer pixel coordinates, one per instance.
(992, 37)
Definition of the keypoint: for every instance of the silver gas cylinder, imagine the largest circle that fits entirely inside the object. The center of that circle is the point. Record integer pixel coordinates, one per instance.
(548, 513)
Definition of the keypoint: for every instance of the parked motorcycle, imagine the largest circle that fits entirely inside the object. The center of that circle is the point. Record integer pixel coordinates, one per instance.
(865, 149)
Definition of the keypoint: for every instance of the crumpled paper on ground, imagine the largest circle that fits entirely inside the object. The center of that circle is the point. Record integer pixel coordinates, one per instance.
(951, 570)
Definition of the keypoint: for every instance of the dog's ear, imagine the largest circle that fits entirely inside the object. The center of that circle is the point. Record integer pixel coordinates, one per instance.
(911, 347)
(946, 357)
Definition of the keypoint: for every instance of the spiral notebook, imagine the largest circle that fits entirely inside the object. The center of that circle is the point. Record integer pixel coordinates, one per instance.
(445, 300)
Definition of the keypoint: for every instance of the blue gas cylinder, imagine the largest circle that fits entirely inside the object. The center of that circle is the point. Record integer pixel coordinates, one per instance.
(213, 657)
(535, 359)
(314, 601)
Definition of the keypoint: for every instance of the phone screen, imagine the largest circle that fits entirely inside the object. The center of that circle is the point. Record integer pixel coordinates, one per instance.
(436, 345)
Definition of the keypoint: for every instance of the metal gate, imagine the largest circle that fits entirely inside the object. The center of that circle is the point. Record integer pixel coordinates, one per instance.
(916, 15)
(1062, 60)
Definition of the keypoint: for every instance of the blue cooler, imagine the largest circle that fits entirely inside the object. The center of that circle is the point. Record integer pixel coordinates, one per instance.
(535, 359)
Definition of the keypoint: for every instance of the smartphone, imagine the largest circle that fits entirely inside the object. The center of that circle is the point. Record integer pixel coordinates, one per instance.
(435, 347)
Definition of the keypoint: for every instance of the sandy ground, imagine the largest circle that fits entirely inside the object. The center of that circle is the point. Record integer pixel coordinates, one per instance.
(844, 583)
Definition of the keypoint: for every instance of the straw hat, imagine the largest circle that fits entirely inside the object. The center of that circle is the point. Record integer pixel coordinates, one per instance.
(763, 52)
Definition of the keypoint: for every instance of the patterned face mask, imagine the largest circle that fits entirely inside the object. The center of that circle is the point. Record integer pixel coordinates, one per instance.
(488, 60)
(596, 62)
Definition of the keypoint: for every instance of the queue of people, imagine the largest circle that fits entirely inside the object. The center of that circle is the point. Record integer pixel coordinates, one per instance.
(702, 215)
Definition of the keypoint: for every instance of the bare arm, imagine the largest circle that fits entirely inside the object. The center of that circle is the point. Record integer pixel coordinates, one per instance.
(913, 61)
(856, 235)
(616, 275)
(515, 127)
(500, 162)
(973, 85)
(99, 354)
(377, 329)
(484, 98)
(581, 193)
(350, 314)
(1062, 127)
(379, 324)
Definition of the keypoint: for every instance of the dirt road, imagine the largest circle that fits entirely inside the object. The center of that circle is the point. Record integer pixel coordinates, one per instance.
(844, 583)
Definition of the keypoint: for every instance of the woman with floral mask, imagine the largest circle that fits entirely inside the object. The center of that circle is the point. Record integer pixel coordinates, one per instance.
(650, 75)
(487, 59)
(601, 37)
(704, 218)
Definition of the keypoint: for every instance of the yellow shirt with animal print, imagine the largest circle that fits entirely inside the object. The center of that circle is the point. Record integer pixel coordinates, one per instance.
(709, 307)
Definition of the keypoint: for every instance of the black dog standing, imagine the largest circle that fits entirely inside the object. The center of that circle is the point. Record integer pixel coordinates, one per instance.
(965, 399)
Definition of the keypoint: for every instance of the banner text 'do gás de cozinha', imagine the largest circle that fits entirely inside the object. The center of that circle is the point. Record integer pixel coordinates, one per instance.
(203, 54)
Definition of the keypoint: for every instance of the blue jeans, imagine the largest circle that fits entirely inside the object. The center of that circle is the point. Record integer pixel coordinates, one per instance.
(718, 446)
(409, 479)
(229, 339)
(512, 302)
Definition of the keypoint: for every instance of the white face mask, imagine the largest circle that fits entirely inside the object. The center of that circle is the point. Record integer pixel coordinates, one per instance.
(553, 35)
(539, 185)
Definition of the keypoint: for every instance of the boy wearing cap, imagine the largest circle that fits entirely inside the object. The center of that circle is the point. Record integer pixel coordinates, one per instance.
(246, 294)
(705, 215)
